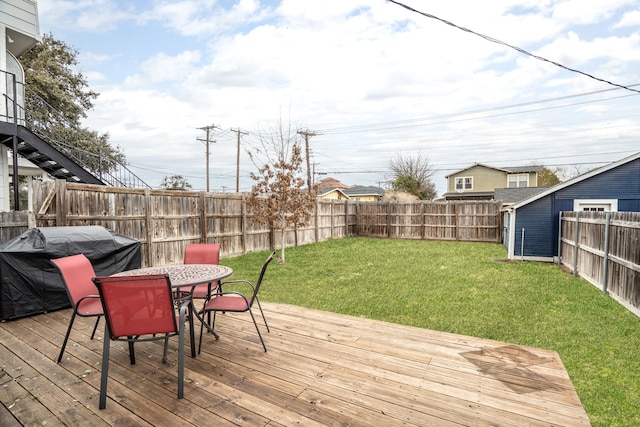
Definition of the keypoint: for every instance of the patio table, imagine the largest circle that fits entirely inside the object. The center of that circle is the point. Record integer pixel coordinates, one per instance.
(184, 276)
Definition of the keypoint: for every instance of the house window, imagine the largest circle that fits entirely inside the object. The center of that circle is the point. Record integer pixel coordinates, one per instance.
(464, 183)
(596, 205)
(514, 180)
(523, 180)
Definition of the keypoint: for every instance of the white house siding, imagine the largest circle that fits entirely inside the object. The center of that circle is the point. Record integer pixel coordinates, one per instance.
(19, 31)
(20, 16)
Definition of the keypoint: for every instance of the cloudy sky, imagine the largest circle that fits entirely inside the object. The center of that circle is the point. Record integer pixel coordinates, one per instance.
(372, 79)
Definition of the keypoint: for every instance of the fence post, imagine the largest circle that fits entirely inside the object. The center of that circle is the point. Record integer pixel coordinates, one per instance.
(500, 232)
(457, 220)
(605, 267)
(317, 219)
(243, 224)
(149, 222)
(203, 217)
(559, 237)
(61, 203)
(576, 246)
(389, 219)
(346, 217)
(332, 219)
(423, 228)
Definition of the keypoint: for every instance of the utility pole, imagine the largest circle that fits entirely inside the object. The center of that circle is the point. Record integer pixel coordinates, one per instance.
(307, 134)
(207, 141)
(313, 174)
(238, 132)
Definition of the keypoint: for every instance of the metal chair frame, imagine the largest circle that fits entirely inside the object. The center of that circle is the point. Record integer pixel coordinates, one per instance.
(155, 282)
(77, 274)
(235, 302)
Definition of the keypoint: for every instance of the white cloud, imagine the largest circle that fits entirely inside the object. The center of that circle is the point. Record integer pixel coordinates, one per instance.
(163, 68)
(574, 12)
(379, 79)
(84, 15)
(629, 19)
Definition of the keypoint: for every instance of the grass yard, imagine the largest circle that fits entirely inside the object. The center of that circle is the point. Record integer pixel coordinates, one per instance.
(468, 289)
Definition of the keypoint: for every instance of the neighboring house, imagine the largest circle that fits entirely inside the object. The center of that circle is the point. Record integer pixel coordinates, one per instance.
(364, 193)
(331, 188)
(531, 225)
(357, 192)
(478, 182)
(333, 194)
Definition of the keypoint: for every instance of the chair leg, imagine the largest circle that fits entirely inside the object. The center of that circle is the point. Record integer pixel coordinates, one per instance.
(166, 349)
(192, 337)
(181, 356)
(66, 337)
(105, 368)
(258, 329)
(132, 355)
(95, 327)
(200, 341)
(210, 328)
(262, 312)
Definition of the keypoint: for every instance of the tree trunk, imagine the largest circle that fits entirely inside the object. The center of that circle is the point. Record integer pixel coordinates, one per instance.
(282, 247)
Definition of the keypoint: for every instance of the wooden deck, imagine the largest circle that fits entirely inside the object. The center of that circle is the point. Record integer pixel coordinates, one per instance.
(321, 369)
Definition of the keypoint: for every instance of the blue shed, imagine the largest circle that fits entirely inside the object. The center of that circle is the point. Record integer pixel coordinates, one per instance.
(531, 225)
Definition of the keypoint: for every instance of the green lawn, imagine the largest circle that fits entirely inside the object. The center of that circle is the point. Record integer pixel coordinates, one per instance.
(467, 288)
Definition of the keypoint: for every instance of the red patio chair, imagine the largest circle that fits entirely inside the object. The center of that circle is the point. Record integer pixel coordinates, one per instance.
(77, 272)
(202, 253)
(236, 302)
(140, 308)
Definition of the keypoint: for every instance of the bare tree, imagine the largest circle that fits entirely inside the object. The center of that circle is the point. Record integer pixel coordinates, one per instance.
(278, 199)
(275, 142)
(413, 175)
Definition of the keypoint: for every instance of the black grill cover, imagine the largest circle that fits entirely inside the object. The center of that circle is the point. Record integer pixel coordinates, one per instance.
(31, 284)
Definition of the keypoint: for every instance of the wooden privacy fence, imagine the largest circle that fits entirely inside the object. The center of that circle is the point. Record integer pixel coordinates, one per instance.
(467, 221)
(13, 224)
(604, 249)
(165, 220)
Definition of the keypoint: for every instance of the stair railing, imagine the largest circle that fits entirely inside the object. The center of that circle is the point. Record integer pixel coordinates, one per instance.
(64, 135)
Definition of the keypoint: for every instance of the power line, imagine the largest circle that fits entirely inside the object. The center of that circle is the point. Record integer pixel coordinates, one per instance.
(406, 123)
(494, 40)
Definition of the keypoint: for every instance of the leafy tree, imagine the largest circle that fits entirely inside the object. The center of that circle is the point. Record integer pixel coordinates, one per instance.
(278, 198)
(49, 73)
(58, 98)
(548, 177)
(175, 182)
(413, 175)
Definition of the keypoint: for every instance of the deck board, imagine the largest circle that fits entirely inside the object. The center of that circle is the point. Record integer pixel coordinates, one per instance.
(321, 369)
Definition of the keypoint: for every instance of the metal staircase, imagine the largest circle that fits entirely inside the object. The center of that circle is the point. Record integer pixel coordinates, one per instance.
(48, 142)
